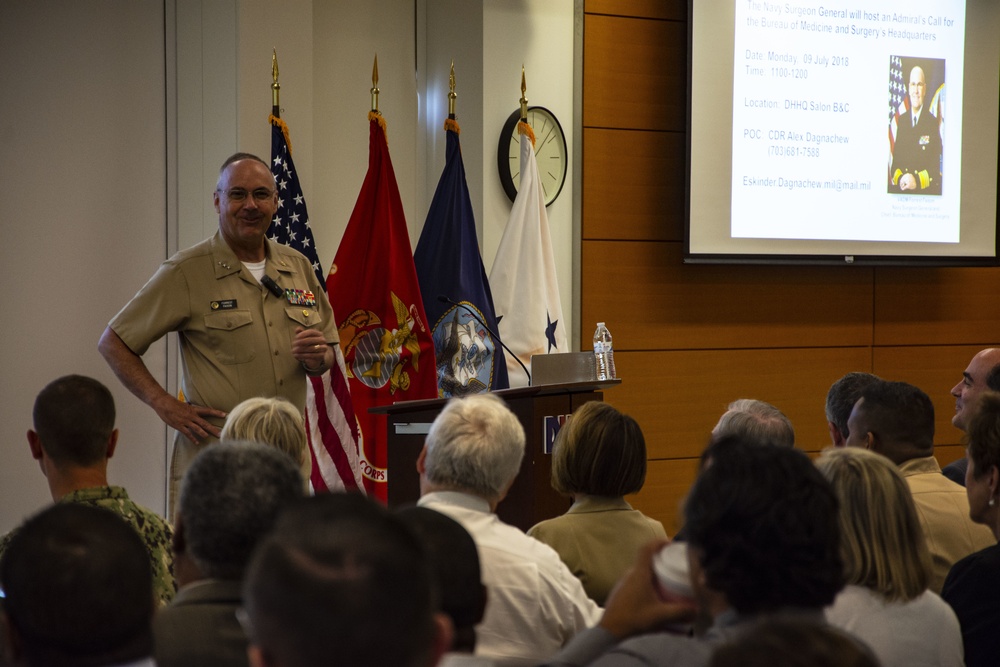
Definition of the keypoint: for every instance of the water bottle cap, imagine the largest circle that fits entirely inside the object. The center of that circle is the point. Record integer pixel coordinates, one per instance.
(600, 324)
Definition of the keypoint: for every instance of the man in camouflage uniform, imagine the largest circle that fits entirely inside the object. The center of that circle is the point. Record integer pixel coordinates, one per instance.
(72, 440)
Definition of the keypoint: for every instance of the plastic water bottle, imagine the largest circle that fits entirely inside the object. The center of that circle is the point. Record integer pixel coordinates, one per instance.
(604, 355)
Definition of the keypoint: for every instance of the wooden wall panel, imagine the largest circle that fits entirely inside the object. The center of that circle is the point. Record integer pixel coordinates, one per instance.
(678, 396)
(944, 306)
(667, 485)
(634, 74)
(651, 300)
(654, 9)
(935, 369)
(632, 186)
(689, 339)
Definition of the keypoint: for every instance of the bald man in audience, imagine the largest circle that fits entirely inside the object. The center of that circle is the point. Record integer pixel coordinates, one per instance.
(896, 419)
(469, 461)
(982, 373)
(840, 400)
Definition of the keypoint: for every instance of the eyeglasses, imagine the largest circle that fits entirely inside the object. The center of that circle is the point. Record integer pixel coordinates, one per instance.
(240, 194)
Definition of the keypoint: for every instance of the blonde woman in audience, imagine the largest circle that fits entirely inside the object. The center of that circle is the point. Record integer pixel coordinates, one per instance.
(271, 421)
(885, 602)
(599, 457)
(973, 584)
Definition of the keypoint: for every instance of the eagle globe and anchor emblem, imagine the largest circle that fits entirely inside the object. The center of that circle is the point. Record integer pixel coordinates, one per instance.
(378, 353)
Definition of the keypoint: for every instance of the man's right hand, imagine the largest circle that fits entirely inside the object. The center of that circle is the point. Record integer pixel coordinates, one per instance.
(188, 419)
(907, 182)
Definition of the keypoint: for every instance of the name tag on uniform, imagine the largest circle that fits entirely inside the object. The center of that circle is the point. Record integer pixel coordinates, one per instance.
(299, 297)
(223, 304)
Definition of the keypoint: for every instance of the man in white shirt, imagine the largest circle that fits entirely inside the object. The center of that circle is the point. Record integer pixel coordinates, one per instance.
(469, 461)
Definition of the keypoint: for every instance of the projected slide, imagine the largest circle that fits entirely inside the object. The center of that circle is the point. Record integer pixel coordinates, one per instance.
(839, 120)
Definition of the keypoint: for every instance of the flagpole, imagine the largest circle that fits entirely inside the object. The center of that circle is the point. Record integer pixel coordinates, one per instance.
(275, 86)
(451, 92)
(374, 90)
(524, 99)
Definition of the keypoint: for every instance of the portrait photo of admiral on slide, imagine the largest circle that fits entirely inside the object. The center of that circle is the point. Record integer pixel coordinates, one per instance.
(916, 125)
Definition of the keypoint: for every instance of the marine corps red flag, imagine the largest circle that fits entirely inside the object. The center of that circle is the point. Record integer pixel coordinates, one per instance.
(374, 291)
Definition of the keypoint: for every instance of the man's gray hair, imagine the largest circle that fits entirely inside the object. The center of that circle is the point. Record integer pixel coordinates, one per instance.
(475, 445)
(230, 497)
(756, 421)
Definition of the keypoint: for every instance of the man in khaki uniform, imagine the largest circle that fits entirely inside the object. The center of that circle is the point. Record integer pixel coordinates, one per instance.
(238, 338)
(896, 420)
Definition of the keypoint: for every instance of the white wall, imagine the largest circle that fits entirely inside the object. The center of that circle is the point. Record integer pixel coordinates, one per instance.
(83, 171)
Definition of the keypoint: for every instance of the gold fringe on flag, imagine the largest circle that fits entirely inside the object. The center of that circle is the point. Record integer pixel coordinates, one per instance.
(525, 129)
(274, 120)
(452, 124)
(375, 115)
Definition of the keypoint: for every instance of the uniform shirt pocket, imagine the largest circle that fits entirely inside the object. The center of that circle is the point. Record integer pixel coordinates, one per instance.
(231, 335)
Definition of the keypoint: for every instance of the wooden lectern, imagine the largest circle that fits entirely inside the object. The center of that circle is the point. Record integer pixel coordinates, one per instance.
(531, 498)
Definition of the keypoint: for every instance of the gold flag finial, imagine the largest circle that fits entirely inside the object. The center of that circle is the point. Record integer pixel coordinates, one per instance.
(451, 92)
(375, 84)
(275, 86)
(524, 99)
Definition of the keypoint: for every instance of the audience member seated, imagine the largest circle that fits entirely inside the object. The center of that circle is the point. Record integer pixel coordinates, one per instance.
(454, 564)
(599, 457)
(757, 421)
(271, 421)
(230, 498)
(535, 605)
(790, 644)
(342, 581)
(896, 419)
(840, 400)
(982, 373)
(763, 543)
(886, 602)
(77, 584)
(973, 585)
(74, 435)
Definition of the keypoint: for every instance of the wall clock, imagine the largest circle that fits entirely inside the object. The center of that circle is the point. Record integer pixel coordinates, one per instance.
(550, 152)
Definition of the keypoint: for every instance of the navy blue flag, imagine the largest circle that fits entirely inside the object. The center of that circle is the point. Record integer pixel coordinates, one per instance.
(448, 262)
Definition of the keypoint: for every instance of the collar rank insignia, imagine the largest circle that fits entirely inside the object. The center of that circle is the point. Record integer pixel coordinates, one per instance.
(298, 297)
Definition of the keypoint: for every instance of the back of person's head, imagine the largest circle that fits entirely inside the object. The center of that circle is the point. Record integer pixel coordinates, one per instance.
(599, 452)
(786, 643)
(763, 523)
(454, 564)
(983, 435)
(842, 396)
(341, 580)
(475, 445)
(74, 417)
(230, 497)
(271, 421)
(755, 421)
(78, 588)
(883, 545)
(899, 417)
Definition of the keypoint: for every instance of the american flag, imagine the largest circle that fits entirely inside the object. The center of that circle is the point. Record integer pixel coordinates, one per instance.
(899, 99)
(331, 426)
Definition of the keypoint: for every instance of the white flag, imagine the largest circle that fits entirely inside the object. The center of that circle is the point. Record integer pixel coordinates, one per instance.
(523, 277)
